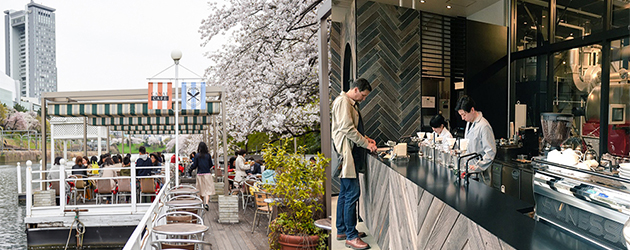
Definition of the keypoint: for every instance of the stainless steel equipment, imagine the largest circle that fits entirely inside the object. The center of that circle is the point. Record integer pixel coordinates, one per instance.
(589, 204)
(618, 94)
(556, 128)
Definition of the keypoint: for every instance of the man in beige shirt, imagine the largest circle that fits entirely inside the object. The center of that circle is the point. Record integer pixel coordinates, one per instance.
(348, 137)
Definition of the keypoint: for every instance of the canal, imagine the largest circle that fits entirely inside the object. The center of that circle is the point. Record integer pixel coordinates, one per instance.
(13, 230)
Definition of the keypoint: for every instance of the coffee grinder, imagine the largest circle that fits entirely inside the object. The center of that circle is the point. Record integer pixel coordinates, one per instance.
(556, 129)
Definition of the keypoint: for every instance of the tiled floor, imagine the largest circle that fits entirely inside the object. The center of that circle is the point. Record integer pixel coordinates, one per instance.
(339, 245)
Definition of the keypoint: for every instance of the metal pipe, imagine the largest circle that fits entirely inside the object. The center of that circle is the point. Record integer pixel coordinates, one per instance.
(574, 27)
(546, 4)
(44, 155)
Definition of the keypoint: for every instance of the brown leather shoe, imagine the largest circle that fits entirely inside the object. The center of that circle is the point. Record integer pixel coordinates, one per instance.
(357, 244)
(343, 236)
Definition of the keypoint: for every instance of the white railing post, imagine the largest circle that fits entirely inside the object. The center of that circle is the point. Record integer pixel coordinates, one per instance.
(62, 188)
(29, 190)
(19, 178)
(177, 173)
(167, 183)
(134, 184)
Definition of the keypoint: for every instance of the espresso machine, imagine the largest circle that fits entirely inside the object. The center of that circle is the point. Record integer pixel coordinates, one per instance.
(581, 201)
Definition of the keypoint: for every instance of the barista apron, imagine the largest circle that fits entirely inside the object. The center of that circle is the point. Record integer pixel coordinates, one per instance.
(358, 153)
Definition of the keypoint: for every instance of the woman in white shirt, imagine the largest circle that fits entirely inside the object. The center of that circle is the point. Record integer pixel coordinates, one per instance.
(240, 166)
(438, 124)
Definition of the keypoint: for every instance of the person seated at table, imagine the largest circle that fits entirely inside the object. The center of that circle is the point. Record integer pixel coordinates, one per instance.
(256, 168)
(93, 165)
(203, 162)
(126, 163)
(108, 172)
(54, 169)
(155, 162)
(143, 161)
(79, 168)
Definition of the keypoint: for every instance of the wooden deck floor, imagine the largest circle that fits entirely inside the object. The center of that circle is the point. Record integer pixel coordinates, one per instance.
(236, 236)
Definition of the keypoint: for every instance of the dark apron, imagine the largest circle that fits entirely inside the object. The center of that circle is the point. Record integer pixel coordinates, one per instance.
(359, 153)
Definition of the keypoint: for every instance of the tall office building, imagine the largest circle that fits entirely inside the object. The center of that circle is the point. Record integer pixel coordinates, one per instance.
(30, 49)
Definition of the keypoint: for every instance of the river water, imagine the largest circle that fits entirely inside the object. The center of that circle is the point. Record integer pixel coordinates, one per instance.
(13, 230)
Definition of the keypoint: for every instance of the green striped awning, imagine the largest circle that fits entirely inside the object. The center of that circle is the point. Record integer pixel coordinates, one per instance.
(139, 121)
(157, 127)
(123, 110)
(165, 132)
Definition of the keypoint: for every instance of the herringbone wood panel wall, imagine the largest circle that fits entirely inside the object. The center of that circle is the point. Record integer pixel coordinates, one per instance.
(388, 55)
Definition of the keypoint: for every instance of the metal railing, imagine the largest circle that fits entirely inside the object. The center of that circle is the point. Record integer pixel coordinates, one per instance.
(50, 210)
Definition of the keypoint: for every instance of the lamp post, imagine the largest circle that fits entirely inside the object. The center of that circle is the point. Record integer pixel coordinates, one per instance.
(176, 55)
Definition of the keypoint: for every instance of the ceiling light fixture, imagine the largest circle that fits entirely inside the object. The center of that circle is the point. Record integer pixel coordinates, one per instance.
(449, 6)
(421, 1)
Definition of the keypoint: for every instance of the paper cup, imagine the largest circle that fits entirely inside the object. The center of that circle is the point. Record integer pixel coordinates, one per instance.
(438, 139)
(421, 135)
(430, 136)
(451, 141)
(463, 144)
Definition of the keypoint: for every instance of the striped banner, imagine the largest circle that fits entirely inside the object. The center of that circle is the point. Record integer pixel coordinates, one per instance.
(155, 127)
(160, 95)
(194, 95)
(123, 110)
(139, 121)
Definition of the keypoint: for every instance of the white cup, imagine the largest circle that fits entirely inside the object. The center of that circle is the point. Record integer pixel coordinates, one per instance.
(421, 135)
(430, 136)
(451, 141)
(438, 139)
(463, 144)
(624, 166)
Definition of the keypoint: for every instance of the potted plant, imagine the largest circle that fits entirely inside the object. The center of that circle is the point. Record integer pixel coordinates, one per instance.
(299, 187)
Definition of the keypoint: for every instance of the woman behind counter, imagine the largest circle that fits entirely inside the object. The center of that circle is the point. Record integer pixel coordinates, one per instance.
(439, 126)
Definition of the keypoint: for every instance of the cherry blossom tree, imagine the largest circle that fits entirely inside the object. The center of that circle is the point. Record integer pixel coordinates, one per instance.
(17, 121)
(153, 140)
(268, 67)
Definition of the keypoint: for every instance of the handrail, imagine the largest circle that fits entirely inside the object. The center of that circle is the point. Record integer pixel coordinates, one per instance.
(62, 179)
(139, 240)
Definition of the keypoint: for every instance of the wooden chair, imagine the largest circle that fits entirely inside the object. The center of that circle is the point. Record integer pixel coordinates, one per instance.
(124, 188)
(104, 190)
(178, 217)
(79, 186)
(262, 208)
(247, 194)
(147, 188)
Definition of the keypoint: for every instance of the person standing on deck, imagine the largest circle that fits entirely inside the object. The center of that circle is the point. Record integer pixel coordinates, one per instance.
(349, 141)
(203, 163)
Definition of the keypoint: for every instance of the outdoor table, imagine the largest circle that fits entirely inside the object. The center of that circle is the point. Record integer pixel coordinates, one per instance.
(185, 190)
(183, 203)
(180, 229)
(324, 224)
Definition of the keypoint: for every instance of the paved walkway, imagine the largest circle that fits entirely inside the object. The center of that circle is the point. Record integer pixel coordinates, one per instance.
(340, 245)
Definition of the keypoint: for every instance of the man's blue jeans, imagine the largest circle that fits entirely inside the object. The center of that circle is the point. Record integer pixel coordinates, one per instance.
(347, 207)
